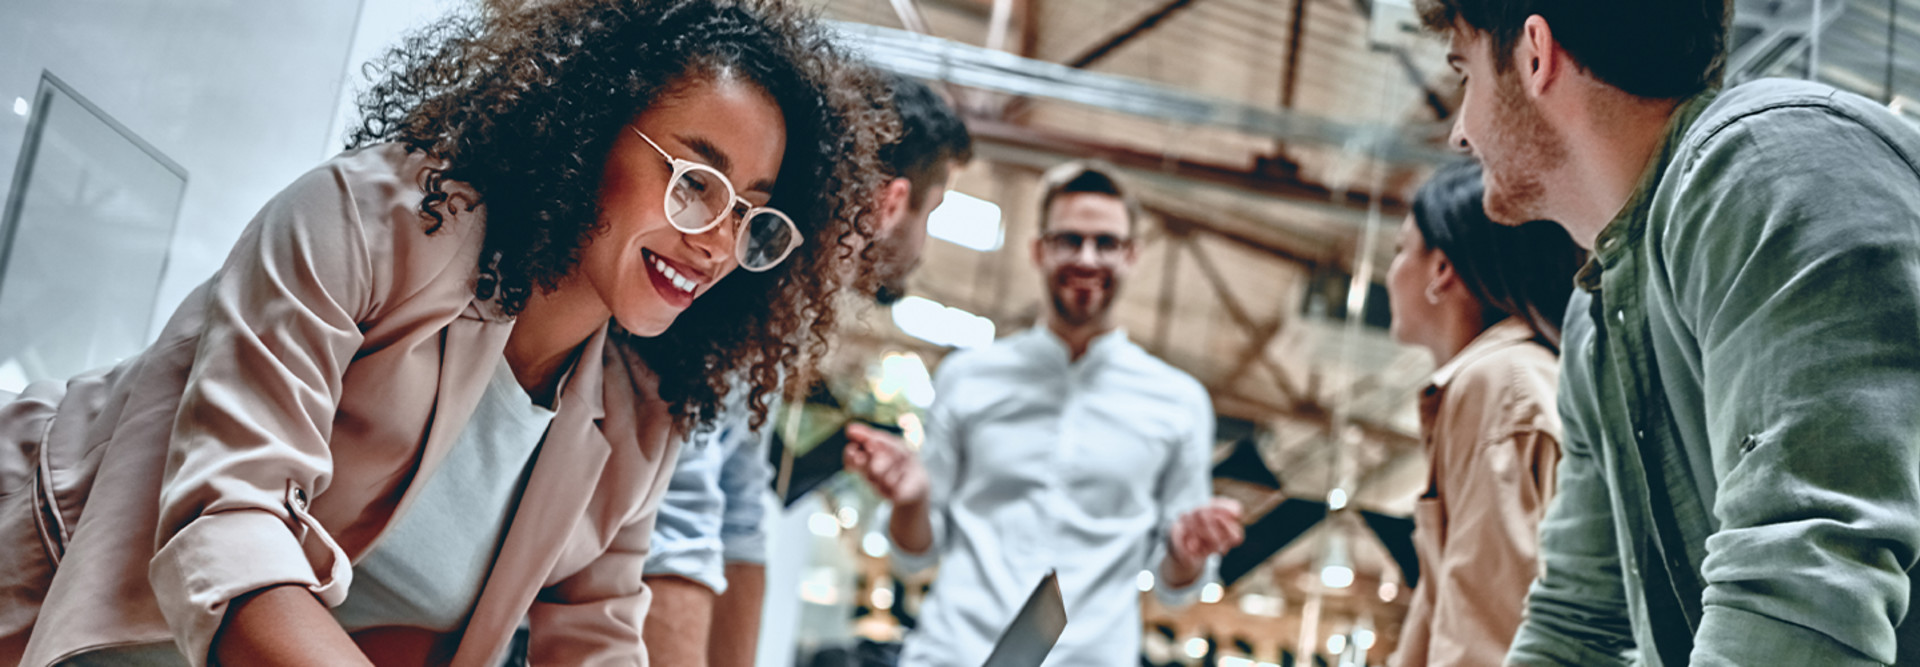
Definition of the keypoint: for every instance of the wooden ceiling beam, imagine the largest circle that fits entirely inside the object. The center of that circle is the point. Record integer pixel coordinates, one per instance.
(909, 13)
(1029, 11)
(1121, 37)
(1272, 181)
(1290, 73)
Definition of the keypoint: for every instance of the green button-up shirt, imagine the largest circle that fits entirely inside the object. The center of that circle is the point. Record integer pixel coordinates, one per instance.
(1740, 385)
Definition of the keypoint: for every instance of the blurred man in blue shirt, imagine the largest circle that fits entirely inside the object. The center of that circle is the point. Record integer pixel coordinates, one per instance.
(707, 564)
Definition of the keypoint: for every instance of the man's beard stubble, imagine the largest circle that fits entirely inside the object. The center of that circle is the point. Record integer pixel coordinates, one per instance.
(1525, 149)
(1095, 311)
(888, 282)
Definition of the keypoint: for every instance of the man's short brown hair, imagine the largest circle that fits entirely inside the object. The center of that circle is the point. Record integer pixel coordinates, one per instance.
(1656, 49)
(1086, 177)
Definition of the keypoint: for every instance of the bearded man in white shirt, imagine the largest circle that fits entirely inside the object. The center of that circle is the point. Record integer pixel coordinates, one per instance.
(1065, 447)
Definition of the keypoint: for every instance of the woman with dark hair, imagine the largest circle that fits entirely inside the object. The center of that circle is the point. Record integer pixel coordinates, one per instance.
(1486, 300)
(436, 387)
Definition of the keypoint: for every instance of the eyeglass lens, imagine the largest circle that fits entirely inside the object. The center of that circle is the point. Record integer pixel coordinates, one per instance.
(1072, 242)
(696, 200)
(763, 239)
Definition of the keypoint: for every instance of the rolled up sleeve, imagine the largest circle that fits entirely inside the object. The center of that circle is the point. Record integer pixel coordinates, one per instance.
(686, 532)
(940, 454)
(249, 446)
(714, 511)
(744, 480)
(1185, 485)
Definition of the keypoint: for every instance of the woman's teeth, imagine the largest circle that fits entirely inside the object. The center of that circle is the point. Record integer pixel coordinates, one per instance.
(685, 284)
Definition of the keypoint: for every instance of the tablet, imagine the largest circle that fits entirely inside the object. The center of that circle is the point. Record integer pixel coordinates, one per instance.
(1030, 637)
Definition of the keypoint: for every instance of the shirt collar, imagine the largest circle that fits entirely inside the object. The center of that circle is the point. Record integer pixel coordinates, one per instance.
(1624, 230)
(1508, 332)
(1099, 348)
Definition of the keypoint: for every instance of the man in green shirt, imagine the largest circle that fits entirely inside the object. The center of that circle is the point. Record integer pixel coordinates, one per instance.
(1740, 482)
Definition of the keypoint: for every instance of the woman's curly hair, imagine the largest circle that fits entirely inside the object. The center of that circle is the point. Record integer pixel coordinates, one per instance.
(524, 106)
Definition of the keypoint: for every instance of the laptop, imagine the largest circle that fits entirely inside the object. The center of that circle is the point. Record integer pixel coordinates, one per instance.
(1034, 630)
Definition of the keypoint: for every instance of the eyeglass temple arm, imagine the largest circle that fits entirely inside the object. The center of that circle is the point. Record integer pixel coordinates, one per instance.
(656, 147)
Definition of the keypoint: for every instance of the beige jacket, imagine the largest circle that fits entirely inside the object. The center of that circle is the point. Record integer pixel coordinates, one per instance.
(1493, 441)
(273, 429)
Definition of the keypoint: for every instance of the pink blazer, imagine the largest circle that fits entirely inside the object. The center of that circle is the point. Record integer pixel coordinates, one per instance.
(275, 427)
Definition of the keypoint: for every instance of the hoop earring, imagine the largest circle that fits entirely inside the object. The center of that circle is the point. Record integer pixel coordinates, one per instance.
(1433, 294)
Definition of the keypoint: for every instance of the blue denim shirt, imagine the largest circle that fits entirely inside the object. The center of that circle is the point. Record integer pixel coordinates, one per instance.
(1740, 389)
(713, 511)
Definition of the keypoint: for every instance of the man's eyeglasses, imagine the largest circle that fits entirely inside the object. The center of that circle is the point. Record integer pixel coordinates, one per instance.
(1068, 244)
(699, 197)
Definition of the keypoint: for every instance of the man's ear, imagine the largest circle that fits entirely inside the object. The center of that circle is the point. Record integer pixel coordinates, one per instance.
(1538, 58)
(893, 204)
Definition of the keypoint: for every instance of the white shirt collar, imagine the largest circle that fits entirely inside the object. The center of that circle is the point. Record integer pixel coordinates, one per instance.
(1050, 344)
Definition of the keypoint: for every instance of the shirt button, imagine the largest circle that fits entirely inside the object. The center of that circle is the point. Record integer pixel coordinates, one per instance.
(1640, 435)
(1620, 316)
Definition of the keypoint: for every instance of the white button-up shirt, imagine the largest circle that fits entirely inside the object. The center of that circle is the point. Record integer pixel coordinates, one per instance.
(1037, 463)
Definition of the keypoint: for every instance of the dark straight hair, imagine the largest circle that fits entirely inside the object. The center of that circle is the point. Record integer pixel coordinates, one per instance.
(1523, 271)
(1087, 177)
(932, 138)
(1656, 49)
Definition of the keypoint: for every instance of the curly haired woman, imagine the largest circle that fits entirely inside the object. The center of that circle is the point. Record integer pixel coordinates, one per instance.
(433, 390)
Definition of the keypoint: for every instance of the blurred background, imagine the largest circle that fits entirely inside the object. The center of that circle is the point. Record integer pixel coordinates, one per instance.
(1274, 142)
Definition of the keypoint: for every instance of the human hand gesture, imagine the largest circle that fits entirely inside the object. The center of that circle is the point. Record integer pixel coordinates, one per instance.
(886, 463)
(1210, 530)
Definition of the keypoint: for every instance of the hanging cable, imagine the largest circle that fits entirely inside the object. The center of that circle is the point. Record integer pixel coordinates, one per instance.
(1893, 29)
(1813, 43)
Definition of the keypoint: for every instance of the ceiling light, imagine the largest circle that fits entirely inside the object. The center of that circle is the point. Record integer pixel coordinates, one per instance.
(1255, 604)
(1212, 593)
(941, 325)
(967, 221)
(20, 106)
(1336, 644)
(1336, 576)
(1336, 568)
